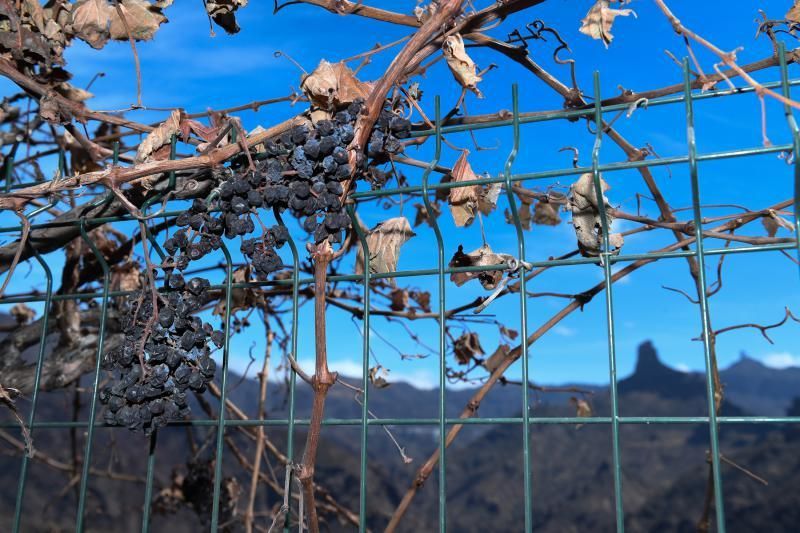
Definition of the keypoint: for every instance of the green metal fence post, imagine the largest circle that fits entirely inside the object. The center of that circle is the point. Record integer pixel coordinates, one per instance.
(703, 297)
(523, 303)
(441, 318)
(222, 390)
(362, 499)
(23, 474)
(87, 455)
(795, 140)
(606, 260)
(290, 423)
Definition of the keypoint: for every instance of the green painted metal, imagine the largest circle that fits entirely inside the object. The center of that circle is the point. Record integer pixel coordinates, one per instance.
(523, 313)
(785, 85)
(223, 389)
(101, 334)
(23, 474)
(605, 255)
(440, 318)
(362, 490)
(703, 298)
(693, 160)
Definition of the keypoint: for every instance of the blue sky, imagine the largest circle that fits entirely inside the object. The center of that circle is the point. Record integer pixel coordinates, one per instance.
(186, 67)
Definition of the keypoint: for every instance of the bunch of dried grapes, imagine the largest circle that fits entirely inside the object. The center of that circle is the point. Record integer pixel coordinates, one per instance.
(161, 358)
(301, 171)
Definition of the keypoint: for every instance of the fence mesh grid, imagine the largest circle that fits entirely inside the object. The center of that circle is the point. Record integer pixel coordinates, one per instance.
(606, 261)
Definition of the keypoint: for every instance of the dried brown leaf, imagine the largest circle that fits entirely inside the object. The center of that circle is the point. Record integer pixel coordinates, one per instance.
(598, 21)
(509, 333)
(90, 21)
(223, 13)
(794, 12)
(461, 65)
(49, 109)
(331, 85)
(546, 213)
(586, 217)
(582, 409)
(399, 300)
(142, 19)
(524, 214)
(244, 298)
(492, 362)
(463, 201)
(23, 314)
(488, 198)
(160, 136)
(376, 377)
(774, 221)
(384, 242)
(422, 299)
(467, 347)
(483, 256)
(422, 214)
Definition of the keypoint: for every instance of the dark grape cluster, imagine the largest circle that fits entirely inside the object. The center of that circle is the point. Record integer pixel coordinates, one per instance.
(302, 171)
(175, 353)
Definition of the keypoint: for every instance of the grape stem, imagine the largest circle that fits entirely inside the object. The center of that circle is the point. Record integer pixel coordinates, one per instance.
(321, 381)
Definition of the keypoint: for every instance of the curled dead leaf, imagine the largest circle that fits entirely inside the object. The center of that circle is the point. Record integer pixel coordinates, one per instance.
(423, 13)
(384, 242)
(422, 214)
(461, 65)
(464, 201)
(582, 409)
(793, 14)
(376, 377)
(244, 298)
(126, 277)
(90, 21)
(492, 362)
(49, 109)
(467, 347)
(586, 217)
(773, 221)
(161, 136)
(399, 300)
(488, 198)
(141, 18)
(524, 214)
(598, 21)
(223, 13)
(483, 256)
(23, 314)
(331, 85)
(422, 299)
(546, 213)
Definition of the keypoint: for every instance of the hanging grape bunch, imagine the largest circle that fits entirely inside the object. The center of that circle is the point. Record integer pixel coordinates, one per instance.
(167, 354)
(159, 360)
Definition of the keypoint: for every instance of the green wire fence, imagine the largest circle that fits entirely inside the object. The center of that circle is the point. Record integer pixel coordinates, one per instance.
(607, 259)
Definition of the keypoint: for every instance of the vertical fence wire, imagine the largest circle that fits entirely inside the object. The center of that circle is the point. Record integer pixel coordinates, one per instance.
(441, 319)
(23, 474)
(523, 307)
(292, 373)
(223, 389)
(703, 298)
(362, 494)
(795, 140)
(606, 260)
(87, 454)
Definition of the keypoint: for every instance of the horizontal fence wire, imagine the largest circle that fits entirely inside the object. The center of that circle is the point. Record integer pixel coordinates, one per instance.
(292, 285)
